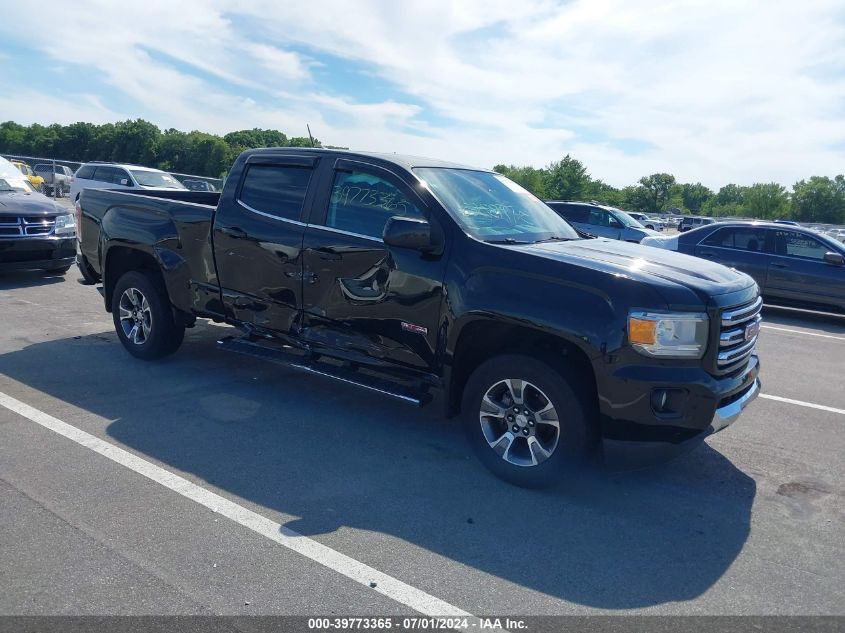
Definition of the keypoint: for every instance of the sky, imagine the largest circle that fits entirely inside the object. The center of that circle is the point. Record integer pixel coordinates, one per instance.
(715, 91)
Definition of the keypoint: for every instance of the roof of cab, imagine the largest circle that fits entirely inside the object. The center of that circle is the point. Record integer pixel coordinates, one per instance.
(403, 160)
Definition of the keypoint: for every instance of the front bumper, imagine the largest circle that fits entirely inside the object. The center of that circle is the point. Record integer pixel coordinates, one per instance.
(37, 253)
(639, 437)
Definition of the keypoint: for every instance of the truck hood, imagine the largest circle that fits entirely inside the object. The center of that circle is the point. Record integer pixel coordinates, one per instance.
(657, 267)
(19, 203)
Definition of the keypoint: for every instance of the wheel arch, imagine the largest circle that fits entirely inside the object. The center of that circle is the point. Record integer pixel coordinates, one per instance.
(121, 259)
(483, 339)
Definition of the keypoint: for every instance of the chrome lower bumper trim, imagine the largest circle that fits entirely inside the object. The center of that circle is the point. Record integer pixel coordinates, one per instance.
(727, 414)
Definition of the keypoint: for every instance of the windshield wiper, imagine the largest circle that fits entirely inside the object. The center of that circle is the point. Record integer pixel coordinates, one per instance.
(507, 240)
(555, 238)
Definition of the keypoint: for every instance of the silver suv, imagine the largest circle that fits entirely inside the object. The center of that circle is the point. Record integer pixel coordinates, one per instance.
(114, 176)
(601, 221)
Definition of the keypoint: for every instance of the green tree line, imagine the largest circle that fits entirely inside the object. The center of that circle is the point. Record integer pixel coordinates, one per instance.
(818, 199)
(142, 143)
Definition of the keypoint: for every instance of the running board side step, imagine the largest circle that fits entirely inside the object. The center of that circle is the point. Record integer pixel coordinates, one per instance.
(341, 374)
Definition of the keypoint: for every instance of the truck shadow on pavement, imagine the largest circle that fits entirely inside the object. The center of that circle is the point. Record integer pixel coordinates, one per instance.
(318, 456)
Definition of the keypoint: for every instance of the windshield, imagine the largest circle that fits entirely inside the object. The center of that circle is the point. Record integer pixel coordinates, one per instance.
(492, 208)
(626, 219)
(155, 179)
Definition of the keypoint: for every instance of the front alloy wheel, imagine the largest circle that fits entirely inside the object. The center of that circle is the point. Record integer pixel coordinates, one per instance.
(136, 318)
(530, 419)
(519, 422)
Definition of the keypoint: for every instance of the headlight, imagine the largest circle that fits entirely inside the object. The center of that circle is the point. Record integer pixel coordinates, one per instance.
(65, 225)
(668, 334)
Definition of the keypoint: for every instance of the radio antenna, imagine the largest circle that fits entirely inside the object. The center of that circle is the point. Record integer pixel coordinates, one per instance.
(308, 127)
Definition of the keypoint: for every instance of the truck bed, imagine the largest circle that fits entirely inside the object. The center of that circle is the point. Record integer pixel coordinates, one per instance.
(172, 227)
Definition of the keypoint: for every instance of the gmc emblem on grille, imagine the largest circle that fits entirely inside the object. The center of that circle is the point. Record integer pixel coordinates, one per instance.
(752, 330)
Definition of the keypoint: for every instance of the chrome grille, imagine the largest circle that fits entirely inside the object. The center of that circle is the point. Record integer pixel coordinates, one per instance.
(738, 334)
(26, 226)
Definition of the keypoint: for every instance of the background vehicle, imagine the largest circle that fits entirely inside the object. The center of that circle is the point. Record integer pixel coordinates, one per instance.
(647, 222)
(792, 265)
(35, 233)
(341, 263)
(601, 220)
(689, 222)
(197, 185)
(837, 234)
(114, 176)
(26, 170)
(62, 174)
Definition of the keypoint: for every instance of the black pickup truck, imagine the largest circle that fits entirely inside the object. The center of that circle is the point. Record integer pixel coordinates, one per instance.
(422, 279)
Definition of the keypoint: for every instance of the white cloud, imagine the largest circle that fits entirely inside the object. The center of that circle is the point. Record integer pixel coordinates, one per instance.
(27, 107)
(713, 90)
(284, 64)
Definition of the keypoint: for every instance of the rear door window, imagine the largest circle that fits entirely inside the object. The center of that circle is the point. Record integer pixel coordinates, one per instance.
(738, 238)
(275, 190)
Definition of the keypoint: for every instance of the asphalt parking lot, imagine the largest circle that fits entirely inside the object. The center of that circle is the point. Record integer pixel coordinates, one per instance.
(282, 493)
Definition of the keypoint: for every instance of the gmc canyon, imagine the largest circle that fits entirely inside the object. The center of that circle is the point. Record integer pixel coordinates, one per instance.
(422, 279)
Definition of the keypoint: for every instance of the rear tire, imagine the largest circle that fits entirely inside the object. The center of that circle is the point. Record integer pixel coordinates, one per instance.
(143, 316)
(529, 435)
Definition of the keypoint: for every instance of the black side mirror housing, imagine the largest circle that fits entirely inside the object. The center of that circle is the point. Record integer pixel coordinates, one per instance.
(412, 233)
(834, 258)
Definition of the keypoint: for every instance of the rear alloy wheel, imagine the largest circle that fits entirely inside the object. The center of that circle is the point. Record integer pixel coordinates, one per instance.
(136, 318)
(528, 422)
(143, 317)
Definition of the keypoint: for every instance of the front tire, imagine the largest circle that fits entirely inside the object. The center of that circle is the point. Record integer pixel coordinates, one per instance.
(143, 317)
(528, 422)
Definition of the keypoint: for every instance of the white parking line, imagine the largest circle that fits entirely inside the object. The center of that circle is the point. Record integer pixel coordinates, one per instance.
(801, 403)
(359, 572)
(783, 329)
